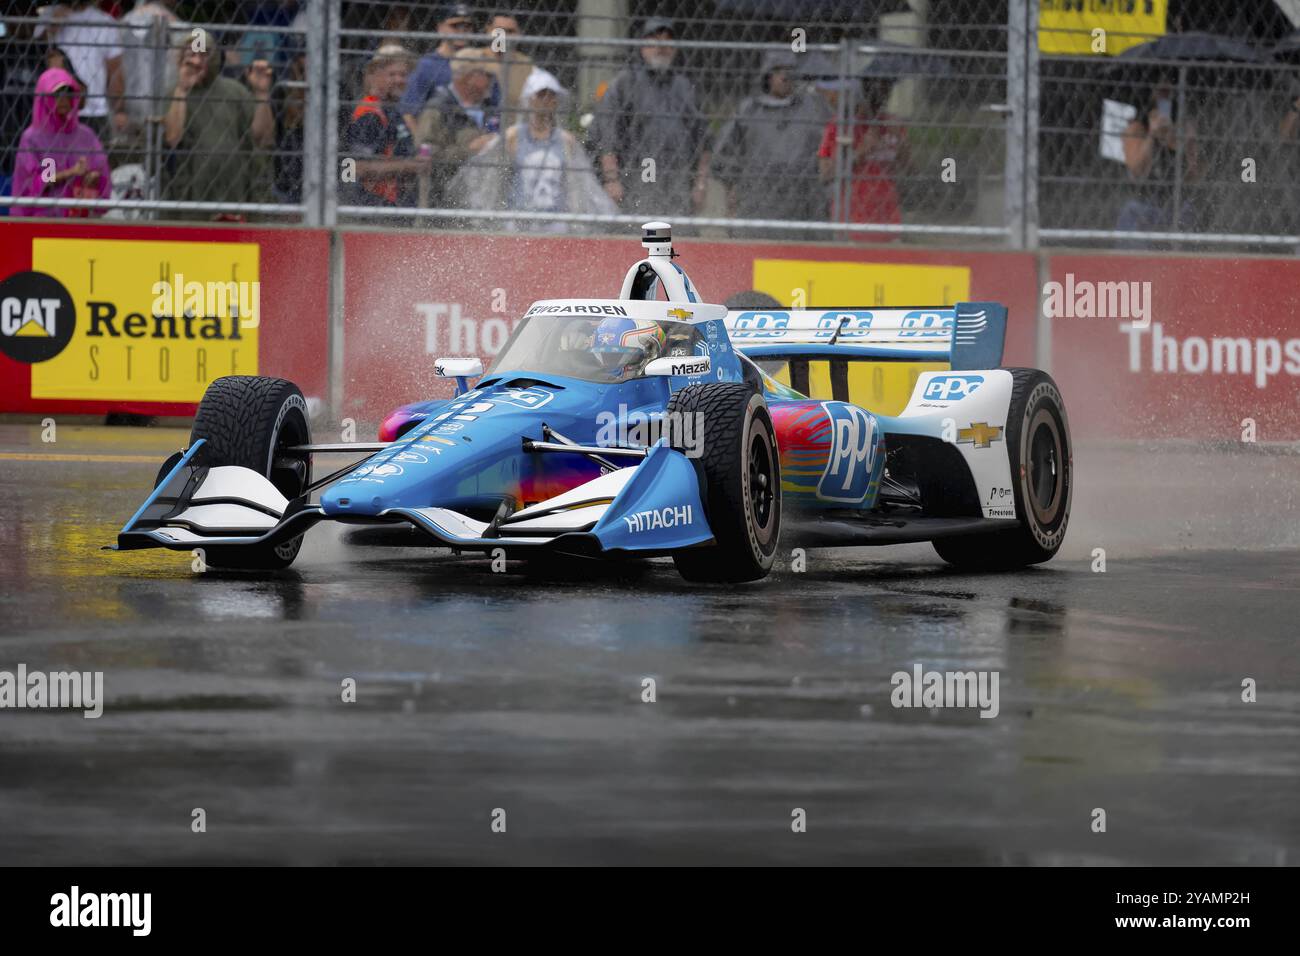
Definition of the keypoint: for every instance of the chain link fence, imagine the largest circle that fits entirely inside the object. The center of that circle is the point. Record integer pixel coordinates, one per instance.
(1177, 138)
(169, 111)
(916, 121)
(748, 119)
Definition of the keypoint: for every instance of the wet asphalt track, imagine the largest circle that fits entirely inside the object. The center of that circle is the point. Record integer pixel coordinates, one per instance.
(522, 691)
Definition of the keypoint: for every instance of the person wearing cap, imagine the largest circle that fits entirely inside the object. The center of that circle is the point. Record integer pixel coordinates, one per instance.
(59, 157)
(434, 69)
(378, 139)
(458, 120)
(649, 112)
(766, 154)
(212, 128)
(535, 166)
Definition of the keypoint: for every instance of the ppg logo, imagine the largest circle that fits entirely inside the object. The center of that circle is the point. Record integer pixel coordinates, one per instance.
(848, 469)
(758, 325)
(762, 320)
(844, 325)
(927, 325)
(951, 388)
(523, 397)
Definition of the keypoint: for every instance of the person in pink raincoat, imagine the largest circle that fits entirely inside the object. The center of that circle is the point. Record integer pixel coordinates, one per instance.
(58, 156)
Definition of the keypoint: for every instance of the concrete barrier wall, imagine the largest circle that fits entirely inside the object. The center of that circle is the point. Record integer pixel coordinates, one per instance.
(1182, 347)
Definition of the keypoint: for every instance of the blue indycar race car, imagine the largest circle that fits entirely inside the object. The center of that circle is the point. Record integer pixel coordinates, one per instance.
(644, 426)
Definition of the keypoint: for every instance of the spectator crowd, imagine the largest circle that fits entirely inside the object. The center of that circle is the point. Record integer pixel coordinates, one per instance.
(138, 103)
(481, 127)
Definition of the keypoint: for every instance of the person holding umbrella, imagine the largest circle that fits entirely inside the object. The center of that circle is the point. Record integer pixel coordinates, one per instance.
(1161, 150)
(1151, 146)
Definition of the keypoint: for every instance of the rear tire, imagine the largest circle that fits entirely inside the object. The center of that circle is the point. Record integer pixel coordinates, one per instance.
(1042, 481)
(251, 421)
(742, 477)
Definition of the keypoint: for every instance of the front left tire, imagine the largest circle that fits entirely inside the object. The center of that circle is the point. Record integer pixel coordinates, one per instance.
(742, 478)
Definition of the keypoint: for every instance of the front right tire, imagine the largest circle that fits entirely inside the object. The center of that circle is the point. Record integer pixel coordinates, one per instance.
(252, 421)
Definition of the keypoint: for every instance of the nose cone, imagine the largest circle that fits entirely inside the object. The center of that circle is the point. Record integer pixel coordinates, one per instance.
(349, 500)
(385, 481)
(469, 448)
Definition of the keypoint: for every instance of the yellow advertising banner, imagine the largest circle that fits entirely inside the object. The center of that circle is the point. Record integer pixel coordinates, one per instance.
(155, 321)
(882, 387)
(861, 285)
(1098, 27)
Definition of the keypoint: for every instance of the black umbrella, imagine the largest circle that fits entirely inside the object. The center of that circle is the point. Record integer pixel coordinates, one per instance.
(886, 61)
(1182, 47)
(895, 61)
(824, 70)
(1287, 49)
(819, 66)
(811, 11)
(1203, 60)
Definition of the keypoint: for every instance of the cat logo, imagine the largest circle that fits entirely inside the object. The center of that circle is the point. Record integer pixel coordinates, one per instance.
(980, 434)
(37, 317)
(29, 316)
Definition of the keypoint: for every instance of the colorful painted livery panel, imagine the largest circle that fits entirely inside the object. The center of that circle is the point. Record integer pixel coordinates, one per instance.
(832, 453)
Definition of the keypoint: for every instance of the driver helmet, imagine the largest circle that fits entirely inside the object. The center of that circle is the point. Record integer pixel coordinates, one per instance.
(625, 345)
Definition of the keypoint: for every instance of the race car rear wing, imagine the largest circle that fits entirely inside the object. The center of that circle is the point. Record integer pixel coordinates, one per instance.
(969, 335)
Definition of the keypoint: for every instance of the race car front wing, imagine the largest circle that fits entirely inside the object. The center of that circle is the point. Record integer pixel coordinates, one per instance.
(652, 508)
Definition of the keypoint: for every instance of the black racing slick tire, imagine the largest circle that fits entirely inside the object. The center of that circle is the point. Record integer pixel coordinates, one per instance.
(1042, 480)
(251, 421)
(741, 470)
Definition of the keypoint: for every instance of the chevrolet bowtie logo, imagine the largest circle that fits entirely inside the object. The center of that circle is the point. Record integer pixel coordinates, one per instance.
(981, 434)
(681, 314)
